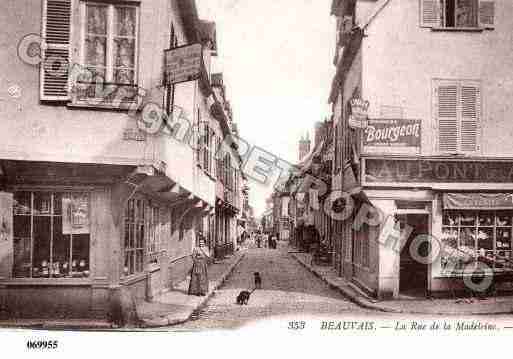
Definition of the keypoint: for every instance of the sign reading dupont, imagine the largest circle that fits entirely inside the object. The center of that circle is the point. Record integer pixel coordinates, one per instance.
(359, 113)
(392, 133)
(183, 64)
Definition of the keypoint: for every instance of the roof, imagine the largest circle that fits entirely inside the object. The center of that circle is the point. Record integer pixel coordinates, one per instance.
(207, 30)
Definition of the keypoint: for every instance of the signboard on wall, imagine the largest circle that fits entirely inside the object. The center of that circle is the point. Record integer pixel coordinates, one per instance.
(392, 133)
(183, 64)
(485, 201)
(436, 171)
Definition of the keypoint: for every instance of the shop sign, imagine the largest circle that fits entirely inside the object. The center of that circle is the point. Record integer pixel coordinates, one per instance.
(183, 64)
(486, 201)
(392, 133)
(359, 113)
(437, 171)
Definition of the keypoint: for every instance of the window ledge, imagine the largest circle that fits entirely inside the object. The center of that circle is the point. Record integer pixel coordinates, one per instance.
(96, 104)
(46, 282)
(134, 278)
(459, 29)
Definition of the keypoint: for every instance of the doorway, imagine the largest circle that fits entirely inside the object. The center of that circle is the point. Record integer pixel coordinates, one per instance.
(413, 275)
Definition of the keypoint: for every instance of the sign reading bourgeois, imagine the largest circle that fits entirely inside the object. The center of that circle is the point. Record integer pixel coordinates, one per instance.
(437, 171)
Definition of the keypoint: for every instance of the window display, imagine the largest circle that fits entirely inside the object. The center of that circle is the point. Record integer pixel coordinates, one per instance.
(470, 237)
(47, 241)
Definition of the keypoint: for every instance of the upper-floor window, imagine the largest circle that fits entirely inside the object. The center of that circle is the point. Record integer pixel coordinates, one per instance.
(458, 115)
(104, 68)
(458, 14)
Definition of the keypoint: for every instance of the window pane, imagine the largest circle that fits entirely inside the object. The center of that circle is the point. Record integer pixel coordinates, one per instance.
(97, 20)
(124, 52)
(81, 255)
(127, 235)
(61, 250)
(503, 238)
(96, 51)
(125, 21)
(22, 202)
(42, 203)
(486, 218)
(139, 260)
(465, 13)
(485, 240)
(125, 77)
(41, 265)
(21, 252)
(503, 218)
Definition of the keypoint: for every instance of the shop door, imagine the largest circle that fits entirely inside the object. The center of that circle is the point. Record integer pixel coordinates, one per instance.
(413, 275)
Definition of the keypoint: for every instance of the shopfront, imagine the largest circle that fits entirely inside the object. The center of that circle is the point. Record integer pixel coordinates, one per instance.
(75, 238)
(445, 227)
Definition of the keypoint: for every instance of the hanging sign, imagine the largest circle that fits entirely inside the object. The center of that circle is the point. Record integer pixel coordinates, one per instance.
(183, 64)
(359, 113)
(392, 133)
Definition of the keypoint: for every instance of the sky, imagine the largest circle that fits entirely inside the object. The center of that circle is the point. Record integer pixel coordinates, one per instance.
(277, 61)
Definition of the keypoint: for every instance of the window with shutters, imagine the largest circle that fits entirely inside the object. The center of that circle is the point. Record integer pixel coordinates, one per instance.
(457, 109)
(457, 14)
(108, 73)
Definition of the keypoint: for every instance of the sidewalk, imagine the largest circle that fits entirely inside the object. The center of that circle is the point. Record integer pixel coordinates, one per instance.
(176, 306)
(496, 305)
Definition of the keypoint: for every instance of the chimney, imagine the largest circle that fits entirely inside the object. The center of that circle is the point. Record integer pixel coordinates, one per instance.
(304, 146)
(320, 132)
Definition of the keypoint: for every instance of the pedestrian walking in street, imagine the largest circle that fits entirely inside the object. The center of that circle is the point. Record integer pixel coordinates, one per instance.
(199, 275)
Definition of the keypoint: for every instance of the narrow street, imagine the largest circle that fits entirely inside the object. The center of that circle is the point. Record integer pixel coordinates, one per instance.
(287, 289)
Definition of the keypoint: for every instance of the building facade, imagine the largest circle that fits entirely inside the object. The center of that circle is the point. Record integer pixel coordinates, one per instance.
(432, 158)
(100, 200)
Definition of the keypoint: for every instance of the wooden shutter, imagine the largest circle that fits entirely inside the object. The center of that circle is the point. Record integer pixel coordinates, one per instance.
(470, 101)
(430, 13)
(56, 36)
(446, 97)
(487, 14)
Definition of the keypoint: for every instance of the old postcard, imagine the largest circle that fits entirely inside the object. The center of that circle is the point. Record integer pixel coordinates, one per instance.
(307, 168)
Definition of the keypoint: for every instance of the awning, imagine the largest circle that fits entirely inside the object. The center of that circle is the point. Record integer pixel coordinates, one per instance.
(485, 201)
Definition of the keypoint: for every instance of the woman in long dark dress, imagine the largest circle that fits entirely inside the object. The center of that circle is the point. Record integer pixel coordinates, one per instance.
(199, 275)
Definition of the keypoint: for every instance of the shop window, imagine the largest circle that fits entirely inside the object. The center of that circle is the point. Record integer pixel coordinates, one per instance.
(470, 237)
(51, 235)
(135, 229)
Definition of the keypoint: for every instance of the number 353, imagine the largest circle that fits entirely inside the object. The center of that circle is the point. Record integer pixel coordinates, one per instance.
(295, 325)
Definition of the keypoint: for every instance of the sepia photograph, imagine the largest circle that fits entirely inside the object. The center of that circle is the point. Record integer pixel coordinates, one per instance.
(305, 168)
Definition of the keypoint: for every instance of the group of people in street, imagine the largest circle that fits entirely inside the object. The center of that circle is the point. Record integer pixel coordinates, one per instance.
(265, 240)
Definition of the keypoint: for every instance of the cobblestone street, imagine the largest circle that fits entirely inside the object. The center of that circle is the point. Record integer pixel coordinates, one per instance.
(287, 289)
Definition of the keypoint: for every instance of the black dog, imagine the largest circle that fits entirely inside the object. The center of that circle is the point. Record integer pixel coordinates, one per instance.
(243, 297)
(258, 280)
